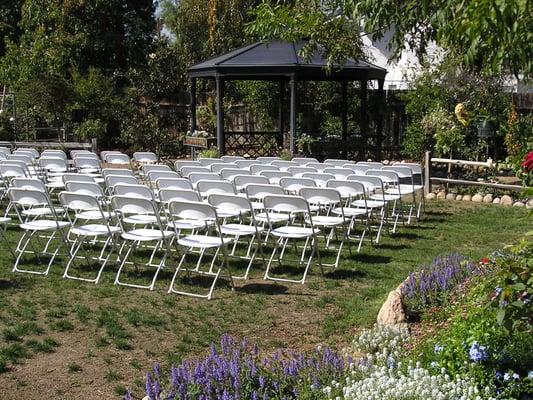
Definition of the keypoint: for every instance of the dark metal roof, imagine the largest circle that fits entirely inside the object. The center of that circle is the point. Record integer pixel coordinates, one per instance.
(275, 60)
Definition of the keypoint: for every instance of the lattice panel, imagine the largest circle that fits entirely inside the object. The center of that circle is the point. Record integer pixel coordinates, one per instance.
(252, 144)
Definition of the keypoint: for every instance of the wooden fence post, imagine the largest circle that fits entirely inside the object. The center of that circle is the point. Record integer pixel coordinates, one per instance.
(94, 145)
(427, 173)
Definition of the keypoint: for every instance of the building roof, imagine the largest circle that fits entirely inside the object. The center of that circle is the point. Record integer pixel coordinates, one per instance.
(277, 60)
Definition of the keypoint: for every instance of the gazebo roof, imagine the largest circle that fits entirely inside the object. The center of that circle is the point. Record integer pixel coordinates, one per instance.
(276, 59)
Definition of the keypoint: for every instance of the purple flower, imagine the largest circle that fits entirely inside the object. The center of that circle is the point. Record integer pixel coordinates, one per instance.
(477, 352)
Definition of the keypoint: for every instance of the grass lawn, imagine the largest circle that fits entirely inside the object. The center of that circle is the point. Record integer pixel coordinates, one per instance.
(74, 340)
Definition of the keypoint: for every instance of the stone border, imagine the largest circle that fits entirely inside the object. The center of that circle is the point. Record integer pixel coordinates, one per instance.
(489, 198)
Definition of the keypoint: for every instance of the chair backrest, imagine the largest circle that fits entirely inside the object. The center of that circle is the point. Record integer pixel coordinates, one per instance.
(304, 160)
(267, 160)
(286, 204)
(401, 171)
(104, 153)
(245, 164)
(373, 164)
(125, 205)
(340, 173)
(229, 173)
(415, 167)
(321, 196)
(116, 171)
(196, 177)
(153, 176)
(79, 202)
(347, 189)
(231, 159)
(206, 188)
(370, 183)
(117, 158)
(357, 169)
(320, 167)
(54, 154)
(134, 191)
(275, 176)
(82, 162)
(299, 171)
(256, 169)
(155, 167)
(192, 210)
(186, 163)
(29, 198)
(145, 157)
(167, 195)
(13, 170)
(337, 162)
(89, 188)
(259, 191)
(186, 171)
(173, 183)
(112, 180)
(206, 162)
(53, 164)
(283, 165)
(27, 152)
(292, 184)
(386, 176)
(28, 183)
(25, 158)
(83, 153)
(31, 150)
(77, 178)
(319, 178)
(217, 167)
(231, 203)
(240, 181)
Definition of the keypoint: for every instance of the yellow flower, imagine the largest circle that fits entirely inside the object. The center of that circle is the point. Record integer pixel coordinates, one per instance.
(461, 114)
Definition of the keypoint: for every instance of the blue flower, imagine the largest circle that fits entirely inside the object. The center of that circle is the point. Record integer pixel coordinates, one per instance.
(438, 348)
(499, 375)
(506, 376)
(477, 352)
(516, 376)
(530, 374)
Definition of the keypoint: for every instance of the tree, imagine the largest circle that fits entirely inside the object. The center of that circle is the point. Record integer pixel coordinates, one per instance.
(9, 20)
(491, 35)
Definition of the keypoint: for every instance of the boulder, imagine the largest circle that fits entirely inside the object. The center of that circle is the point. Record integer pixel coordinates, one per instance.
(529, 204)
(459, 197)
(497, 200)
(519, 204)
(487, 198)
(450, 196)
(441, 195)
(467, 197)
(477, 198)
(506, 200)
(430, 196)
(392, 311)
(386, 162)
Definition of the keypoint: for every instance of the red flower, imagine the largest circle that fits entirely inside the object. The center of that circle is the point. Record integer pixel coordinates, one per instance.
(484, 261)
(527, 164)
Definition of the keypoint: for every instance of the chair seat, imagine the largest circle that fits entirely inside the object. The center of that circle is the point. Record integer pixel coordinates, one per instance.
(274, 217)
(203, 242)
(40, 211)
(142, 219)
(326, 220)
(294, 232)
(387, 197)
(44, 225)
(348, 211)
(4, 220)
(369, 203)
(239, 229)
(55, 185)
(144, 235)
(189, 224)
(94, 230)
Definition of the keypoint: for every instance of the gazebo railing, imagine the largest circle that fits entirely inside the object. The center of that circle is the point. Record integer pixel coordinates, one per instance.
(253, 144)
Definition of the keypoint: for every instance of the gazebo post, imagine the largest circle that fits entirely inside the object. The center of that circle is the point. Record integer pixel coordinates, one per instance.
(221, 139)
(363, 125)
(280, 111)
(381, 112)
(292, 139)
(193, 104)
(344, 115)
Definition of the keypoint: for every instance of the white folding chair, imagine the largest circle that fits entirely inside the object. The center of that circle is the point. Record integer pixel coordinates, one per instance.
(231, 159)
(241, 207)
(146, 168)
(295, 208)
(206, 162)
(43, 226)
(320, 167)
(153, 176)
(112, 180)
(373, 164)
(241, 181)
(229, 173)
(390, 193)
(320, 178)
(408, 188)
(339, 173)
(117, 171)
(118, 159)
(166, 196)
(275, 176)
(194, 178)
(267, 160)
(3, 227)
(303, 161)
(86, 234)
(256, 169)
(217, 167)
(140, 237)
(145, 157)
(297, 172)
(52, 153)
(186, 171)
(207, 214)
(245, 164)
(207, 188)
(357, 169)
(179, 164)
(173, 183)
(293, 185)
(79, 178)
(283, 165)
(337, 162)
(324, 200)
(30, 150)
(87, 165)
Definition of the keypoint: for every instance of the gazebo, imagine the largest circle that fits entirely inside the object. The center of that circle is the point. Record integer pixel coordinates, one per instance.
(280, 61)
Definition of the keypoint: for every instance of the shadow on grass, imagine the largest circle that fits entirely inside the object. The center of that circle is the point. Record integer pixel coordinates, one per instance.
(263, 288)
(392, 246)
(345, 274)
(371, 258)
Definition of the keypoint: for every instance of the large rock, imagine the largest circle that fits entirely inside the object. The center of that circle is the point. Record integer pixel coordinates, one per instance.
(497, 200)
(441, 195)
(459, 197)
(430, 196)
(477, 198)
(506, 200)
(529, 204)
(392, 311)
(487, 198)
(519, 204)
(467, 197)
(450, 196)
